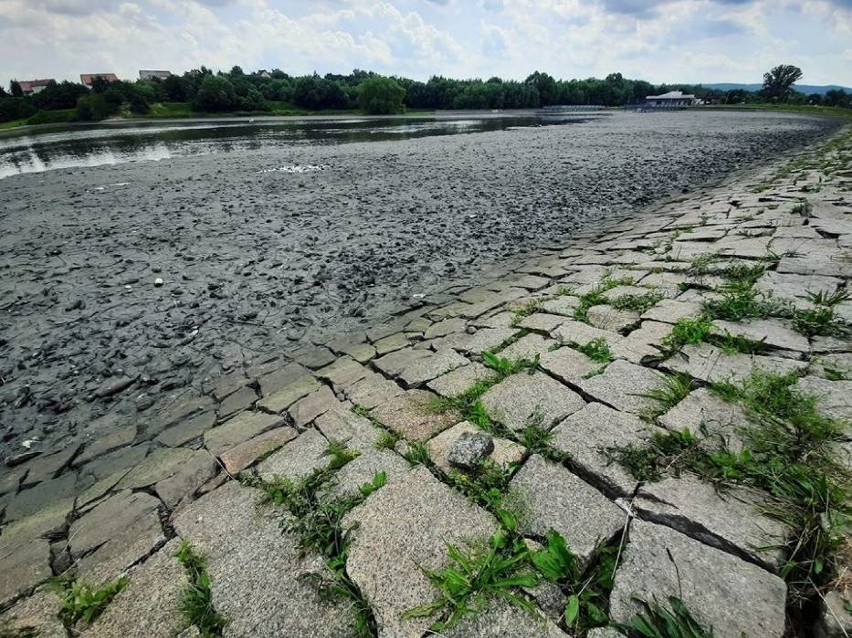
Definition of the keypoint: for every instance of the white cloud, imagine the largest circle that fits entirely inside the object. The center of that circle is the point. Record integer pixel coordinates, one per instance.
(659, 40)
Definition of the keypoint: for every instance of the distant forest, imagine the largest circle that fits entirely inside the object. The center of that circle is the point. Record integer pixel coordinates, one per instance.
(201, 91)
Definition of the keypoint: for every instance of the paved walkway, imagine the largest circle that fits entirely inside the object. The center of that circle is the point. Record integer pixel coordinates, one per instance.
(525, 395)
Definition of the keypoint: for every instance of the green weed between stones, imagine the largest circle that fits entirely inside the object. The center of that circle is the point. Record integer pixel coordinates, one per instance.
(197, 598)
(787, 452)
(637, 303)
(525, 310)
(657, 621)
(597, 349)
(595, 297)
(691, 330)
(317, 522)
(674, 390)
(83, 602)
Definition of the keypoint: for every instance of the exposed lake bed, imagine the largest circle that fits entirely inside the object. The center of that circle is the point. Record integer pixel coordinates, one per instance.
(130, 283)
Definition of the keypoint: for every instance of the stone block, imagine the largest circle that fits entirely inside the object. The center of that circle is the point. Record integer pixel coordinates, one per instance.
(343, 372)
(460, 380)
(240, 400)
(611, 319)
(427, 368)
(310, 407)
(344, 426)
(588, 436)
(771, 332)
(187, 430)
(708, 417)
(260, 580)
(282, 398)
(527, 347)
(238, 430)
(150, 604)
(297, 459)
(502, 619)
(187, 478)
(670, 310)
(582, 333)
(834, 398)
(348, 479)
(238, 458)
(372, 391)
(552, 498)
(564, 305)
(721, 590)
(390, 343)
(730, 519)
(411, 415)
(384, 562)
(568, 365)
(542, 322)
(625, 386)
(712, 365)
(158, 465)
(35, 615)
(530, 399)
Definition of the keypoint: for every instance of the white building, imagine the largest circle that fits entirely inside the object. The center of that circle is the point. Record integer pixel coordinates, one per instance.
(672, 99)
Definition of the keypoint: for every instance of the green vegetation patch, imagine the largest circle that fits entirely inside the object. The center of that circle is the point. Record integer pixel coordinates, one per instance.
(84, 602)
(197, 599)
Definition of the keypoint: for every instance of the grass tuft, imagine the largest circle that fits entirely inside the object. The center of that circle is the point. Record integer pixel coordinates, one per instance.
(677, 386)
(657, 621)
(83, 602)
(197, 599)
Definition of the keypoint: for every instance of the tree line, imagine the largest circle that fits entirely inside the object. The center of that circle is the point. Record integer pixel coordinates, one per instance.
(275, 91)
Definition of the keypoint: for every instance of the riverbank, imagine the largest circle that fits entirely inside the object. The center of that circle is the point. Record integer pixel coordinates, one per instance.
(579, 372)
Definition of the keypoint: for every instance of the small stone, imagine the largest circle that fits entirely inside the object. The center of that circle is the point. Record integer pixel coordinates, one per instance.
(470, 449)
(158, 282)
(505, 452)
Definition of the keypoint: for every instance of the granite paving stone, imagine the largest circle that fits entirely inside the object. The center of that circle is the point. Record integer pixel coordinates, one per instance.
(372, 391)
(625, 386)
(31, 500)
(460, 380)
(719, 589)
(670, 310)
(105, 442)
(731, 519)
(716, 422)
(428, 368)
(343, 372)
(771, 332)
(834, 398)
(564, 305)
(239, 429)
(505, 452)
(345, 426)
(582, 333)
(530, 399)
(240, 400)
(588, 438)
(150, 604)
(643, 343)
(115, 535)
(612, 319)
(23, 565)
(199, 468)
(390, 343)
(258, 575)
(394, 363)
(711, 365)
(387, 566)
(542, 321)
(412, 416)
(478, 342)
(297, 459)
(36, 615)
(501, 619)
(348, 480)
(786, 285)
(310, 407)
(238, 458)
(278, 376)
(158, 465)
(444, 328)
(568, 365)
(187, 430)
(552, 498)
(527, 347)
(361, 352)
(282, 398)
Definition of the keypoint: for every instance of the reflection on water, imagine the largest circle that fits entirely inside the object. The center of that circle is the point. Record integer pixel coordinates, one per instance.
(98, 145)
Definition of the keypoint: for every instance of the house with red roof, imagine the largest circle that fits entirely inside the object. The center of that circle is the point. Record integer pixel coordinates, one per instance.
(88, 79)
(31, 87)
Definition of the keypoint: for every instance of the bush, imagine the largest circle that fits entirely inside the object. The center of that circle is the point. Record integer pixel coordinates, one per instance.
(381, 96)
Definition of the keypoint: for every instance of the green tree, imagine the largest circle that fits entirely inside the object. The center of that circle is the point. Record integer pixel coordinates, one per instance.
(381, 96)
(15, 89)
(215, 94)
(779, 80)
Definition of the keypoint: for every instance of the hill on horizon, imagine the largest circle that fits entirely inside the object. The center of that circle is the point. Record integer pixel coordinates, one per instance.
(807, 89)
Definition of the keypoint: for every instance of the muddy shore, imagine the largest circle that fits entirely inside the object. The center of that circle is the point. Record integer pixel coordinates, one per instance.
(256, 261)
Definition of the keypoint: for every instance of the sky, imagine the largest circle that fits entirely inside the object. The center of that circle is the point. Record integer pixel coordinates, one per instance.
(656, 40)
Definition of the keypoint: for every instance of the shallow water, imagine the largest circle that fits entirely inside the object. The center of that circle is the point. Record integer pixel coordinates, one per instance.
(75, 146)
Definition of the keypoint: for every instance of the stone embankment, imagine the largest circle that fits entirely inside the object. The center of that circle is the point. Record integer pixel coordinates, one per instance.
(643, 393)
